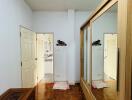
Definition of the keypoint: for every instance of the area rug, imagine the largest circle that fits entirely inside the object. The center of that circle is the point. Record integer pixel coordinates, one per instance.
(61, 86)
(99, 84)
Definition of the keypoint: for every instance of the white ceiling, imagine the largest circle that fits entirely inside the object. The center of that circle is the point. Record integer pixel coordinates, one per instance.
(62, 5)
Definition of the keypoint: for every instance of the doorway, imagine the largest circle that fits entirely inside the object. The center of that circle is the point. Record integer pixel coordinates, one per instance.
(110, 57)
(45, 51)
(36, 57)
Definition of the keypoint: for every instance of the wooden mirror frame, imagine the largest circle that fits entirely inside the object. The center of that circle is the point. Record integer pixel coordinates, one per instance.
(124, 45)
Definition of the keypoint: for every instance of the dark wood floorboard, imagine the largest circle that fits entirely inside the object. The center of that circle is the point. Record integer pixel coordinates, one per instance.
(19, 94)
(106, 93)
(45, 92)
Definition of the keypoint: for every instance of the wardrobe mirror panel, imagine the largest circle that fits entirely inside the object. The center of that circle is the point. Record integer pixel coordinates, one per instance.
(88, 56)
(85, 54)
(105, 55)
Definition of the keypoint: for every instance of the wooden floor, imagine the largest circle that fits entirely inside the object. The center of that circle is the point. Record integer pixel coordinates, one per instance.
(19, 94)
(45, 92)
(106, 93)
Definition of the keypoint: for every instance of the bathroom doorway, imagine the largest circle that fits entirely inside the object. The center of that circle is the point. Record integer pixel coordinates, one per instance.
(45, 51)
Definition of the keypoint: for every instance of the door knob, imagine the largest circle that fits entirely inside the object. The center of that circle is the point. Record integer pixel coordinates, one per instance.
(36, 59)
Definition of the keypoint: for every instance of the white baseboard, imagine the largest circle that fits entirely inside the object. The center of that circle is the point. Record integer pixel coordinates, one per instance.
(71, 83)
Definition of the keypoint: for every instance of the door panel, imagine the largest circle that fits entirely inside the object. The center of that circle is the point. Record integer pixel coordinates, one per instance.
(28, 55)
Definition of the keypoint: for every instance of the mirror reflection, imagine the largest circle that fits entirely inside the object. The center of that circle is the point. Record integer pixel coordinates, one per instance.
(88, 56)
(104, 55)
(85, 55)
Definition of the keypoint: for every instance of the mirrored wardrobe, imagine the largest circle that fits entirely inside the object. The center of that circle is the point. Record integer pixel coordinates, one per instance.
(103, 52)
(104, 55)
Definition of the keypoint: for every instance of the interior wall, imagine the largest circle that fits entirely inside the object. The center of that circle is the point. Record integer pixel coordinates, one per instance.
(107, 23)
(12, 14)
(66, 27)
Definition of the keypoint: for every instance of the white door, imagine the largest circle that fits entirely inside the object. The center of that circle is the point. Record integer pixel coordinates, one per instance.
(28, 55)
(40, 56)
